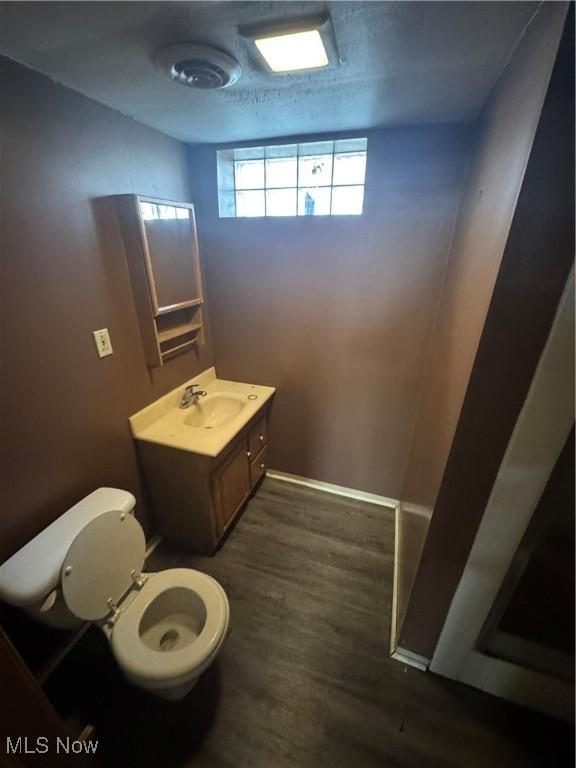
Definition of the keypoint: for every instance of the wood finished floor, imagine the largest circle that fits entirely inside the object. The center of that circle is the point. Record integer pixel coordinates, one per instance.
(304, 679)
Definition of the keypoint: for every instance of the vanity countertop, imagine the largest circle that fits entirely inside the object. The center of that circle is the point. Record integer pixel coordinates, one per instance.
(207, 426)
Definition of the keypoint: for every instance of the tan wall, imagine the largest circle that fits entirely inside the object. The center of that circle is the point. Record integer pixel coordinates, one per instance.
(63, 410)
(336, 312)
(505, 133)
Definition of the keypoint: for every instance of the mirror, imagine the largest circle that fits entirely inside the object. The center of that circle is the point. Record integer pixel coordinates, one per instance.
(171, 250)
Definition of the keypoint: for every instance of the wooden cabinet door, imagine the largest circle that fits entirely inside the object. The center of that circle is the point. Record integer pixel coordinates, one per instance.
(231, 486)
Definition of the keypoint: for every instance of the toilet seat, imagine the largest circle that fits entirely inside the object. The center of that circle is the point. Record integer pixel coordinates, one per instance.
(141, 662)
(103, 561)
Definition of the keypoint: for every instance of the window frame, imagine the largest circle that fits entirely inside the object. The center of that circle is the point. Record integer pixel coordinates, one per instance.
(228, 182)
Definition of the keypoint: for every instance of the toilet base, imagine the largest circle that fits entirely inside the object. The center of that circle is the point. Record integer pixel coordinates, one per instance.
(171, 693)
(174, 694)
(178, 692)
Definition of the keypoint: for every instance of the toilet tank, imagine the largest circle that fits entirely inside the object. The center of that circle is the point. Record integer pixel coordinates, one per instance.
(33, 572)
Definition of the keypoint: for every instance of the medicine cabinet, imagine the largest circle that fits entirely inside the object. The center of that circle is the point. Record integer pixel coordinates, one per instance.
(164, 262)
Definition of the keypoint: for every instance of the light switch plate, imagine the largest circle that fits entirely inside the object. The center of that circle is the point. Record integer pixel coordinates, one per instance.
(103, 343)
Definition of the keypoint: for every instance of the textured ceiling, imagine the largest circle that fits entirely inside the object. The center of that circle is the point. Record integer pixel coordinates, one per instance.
(404, 62)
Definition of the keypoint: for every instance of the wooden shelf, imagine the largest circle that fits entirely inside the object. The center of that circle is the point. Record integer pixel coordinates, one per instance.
(178, 330)
(166, 355)
(178, 307)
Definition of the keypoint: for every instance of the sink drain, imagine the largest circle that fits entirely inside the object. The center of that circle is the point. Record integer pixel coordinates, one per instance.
(168, 640)
(252, 397)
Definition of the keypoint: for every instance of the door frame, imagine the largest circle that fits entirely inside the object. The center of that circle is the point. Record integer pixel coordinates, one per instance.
(537, 440)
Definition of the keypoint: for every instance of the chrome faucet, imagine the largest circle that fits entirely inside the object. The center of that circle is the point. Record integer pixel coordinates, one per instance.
(190, 397)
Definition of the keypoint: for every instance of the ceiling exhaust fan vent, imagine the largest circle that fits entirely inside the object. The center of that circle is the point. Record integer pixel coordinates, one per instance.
(198, 66)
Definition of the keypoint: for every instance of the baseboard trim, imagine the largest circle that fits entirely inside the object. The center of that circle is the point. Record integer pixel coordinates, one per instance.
(337, 490)
(405, 656)
(394, 617)
(61, 654)
(152, 544)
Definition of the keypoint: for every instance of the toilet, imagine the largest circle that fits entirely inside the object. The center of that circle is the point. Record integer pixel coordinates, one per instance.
(164, 628)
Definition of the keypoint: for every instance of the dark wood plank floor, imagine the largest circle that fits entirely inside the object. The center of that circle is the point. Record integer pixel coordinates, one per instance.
(304, 679)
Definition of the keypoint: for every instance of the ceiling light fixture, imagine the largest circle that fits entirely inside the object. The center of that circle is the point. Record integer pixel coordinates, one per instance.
(294, 46)
(294, 51)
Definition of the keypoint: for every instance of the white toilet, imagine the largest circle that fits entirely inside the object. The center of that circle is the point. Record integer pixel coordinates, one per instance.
(164, 628)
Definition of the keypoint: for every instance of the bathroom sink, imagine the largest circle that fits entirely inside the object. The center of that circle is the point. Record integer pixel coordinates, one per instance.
(213, 411)
(209, 425)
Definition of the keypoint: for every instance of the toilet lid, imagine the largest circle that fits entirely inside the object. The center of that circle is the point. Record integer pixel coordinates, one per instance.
(99, 562)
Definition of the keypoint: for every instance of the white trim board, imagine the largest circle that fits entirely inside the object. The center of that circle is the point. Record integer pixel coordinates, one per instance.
(541, 430)
(399, 654)
(394, 617)
(337, 490)
(523, 686)
(152, 544)
(532, 655)
(404, 656)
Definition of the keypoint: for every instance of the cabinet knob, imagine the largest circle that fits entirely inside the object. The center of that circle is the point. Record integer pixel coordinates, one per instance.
(262, 466)
(261, 438)
(248, 453)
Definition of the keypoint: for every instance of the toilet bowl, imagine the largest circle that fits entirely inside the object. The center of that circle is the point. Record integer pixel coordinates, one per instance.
(170, 631)
(164, 628)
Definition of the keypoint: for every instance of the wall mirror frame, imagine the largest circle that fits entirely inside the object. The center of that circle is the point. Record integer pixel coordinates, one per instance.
(156, 245)
(161, 244)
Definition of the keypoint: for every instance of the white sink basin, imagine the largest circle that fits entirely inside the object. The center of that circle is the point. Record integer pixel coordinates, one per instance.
(207, 426)
(213, 411)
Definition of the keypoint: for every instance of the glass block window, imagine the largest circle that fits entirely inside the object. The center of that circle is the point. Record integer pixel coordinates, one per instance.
(323, 178)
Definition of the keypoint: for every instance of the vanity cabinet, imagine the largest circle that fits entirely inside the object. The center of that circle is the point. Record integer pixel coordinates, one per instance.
(196, 498)
(231, 486)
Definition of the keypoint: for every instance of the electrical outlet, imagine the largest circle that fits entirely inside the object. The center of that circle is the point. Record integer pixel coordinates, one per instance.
(103, 343)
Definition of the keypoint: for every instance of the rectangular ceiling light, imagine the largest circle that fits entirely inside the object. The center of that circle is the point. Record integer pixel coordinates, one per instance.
(294, 51)
(294, 45)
